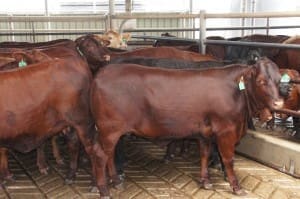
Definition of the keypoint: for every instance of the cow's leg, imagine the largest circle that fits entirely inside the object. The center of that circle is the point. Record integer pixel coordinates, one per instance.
(205, 149)
(4, 171)
(73, 146)
(226, 145)
(170, 153)
(120, 157)
(109, 145)
(185, 146)
(97, 156)
(296, 122)
(41, 159)
(55, 151)
(214, 157)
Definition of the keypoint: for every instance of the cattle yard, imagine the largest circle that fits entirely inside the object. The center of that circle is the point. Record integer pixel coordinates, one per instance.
(266, 164)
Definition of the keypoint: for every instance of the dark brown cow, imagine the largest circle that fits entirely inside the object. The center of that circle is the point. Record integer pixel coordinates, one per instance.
(98, 56)
(289, 58)
(55, 95)
(164, 103)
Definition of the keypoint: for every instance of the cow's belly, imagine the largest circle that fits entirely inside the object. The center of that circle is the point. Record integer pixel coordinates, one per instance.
(26, 132)
(26, 141)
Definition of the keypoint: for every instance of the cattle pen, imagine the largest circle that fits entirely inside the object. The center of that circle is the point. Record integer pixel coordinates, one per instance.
(267, 158)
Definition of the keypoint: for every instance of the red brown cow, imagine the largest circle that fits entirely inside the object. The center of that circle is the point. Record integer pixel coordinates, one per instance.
(292, 101)
(164, 103)
(55, 95)
(63, 49)
(97, 56)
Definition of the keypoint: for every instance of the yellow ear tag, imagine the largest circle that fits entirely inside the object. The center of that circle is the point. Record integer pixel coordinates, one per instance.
(22, 63)
(242, 84)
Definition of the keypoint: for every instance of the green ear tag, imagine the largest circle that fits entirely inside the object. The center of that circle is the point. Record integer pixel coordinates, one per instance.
(285, 78)
(242, 84)
(22, 63)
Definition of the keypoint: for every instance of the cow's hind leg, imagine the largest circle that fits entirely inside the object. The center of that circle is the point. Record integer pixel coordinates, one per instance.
(226, 145)
(73, 146)
(41, 159)
(205, 148)
(5, 174)
(171, 150)
(97, 156)
(109, 145)
(55, 150)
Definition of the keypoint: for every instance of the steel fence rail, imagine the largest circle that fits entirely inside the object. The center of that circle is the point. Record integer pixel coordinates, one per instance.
(252, 44)
(51, 18)
(34, 29)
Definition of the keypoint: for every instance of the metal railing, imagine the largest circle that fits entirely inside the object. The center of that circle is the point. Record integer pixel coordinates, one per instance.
(78, 25)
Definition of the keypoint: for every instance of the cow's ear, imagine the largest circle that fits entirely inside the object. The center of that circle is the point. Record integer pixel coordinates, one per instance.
(126, 36)
(19, 56)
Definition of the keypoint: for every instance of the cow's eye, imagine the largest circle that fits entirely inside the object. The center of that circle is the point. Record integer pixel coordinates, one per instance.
(262, 82)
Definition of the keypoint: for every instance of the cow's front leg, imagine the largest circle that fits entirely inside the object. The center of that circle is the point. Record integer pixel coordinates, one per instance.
(226, 145)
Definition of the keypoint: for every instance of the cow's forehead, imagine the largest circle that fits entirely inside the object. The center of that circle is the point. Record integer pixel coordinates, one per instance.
(268, 68)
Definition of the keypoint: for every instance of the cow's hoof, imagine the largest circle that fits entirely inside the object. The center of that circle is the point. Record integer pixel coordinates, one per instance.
(60, 163)
(94, 189)
(105, 197)
(207, 185)
(10, 178)
(44, 171)
(122, 177)
(240, 192)
(69, 181)
(120, 186)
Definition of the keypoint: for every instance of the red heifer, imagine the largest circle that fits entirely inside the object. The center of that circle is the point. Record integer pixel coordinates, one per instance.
(164, 103)
(55, 95)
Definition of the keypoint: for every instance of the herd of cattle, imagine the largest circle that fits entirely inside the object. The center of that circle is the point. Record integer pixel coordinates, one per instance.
(95, 95)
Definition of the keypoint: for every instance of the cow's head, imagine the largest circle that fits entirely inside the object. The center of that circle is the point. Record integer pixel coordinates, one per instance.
(265, 78)
(113, 39)
(96, 55)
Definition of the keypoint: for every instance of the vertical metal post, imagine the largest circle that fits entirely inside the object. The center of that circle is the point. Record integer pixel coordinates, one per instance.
(202, 31)
(128, 6)
(268, 26)
(33, 31)
(111, 13)
(190, 20)
(48, 23)
(252, 11)
(11, 28)
(244, 8)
